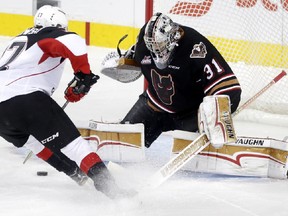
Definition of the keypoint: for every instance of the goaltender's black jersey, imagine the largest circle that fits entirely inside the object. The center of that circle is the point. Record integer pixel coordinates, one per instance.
(196, 70)
(34, 61)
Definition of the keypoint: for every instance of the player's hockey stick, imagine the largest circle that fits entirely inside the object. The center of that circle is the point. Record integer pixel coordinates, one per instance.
(65, 104)
(29, 155)
(195, 147)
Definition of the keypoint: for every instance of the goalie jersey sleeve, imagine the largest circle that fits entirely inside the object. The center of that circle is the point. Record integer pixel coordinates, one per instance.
(34, 61)
(196, 70)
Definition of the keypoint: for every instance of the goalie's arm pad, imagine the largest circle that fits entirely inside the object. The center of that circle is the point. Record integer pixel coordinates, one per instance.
(214, 119)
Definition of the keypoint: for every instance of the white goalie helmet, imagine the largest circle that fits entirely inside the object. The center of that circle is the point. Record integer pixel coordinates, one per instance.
(48, 16)
(161, 37)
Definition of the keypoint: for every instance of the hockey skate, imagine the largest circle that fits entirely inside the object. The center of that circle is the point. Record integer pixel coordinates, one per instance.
(104, 182)
(79, 177)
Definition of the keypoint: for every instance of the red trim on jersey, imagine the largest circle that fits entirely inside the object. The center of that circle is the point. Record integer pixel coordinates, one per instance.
(89, 161)
(36, 74)
(54, 48)
(45, 154)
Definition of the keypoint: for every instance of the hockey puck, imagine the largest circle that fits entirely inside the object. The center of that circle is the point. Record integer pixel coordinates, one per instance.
(42, 173)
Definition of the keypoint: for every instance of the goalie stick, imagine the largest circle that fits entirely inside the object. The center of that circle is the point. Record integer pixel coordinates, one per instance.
(195, 147)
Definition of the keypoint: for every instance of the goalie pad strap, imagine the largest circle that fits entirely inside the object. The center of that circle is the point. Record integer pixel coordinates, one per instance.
(126, 61)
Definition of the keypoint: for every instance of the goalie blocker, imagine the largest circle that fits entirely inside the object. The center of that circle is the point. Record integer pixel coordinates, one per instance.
(215, 120)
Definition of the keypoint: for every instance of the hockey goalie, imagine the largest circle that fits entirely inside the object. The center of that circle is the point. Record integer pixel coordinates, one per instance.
(185, 73)
(181, 67)
(214, 115)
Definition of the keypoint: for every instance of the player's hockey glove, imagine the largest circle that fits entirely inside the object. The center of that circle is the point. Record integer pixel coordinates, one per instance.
(79, 86)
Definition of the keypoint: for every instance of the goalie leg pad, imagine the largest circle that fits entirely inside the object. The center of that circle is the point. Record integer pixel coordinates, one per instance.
(216, 121)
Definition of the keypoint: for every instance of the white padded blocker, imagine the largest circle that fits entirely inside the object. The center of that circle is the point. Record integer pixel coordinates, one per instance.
(216, 119)
(112, 67)
(202, 127)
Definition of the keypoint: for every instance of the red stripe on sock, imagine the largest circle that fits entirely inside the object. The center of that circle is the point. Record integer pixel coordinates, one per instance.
(89, 161)
(45, 154)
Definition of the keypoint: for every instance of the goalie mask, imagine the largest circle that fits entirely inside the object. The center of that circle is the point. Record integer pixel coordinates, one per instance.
(48, 16)
(161, 37)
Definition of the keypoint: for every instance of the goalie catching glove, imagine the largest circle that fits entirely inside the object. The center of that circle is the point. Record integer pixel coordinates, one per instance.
(122, 68)
(215, 120)
(79, 86)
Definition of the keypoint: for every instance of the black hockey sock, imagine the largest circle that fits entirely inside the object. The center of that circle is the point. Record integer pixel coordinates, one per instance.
(63, 164)
(103, 180)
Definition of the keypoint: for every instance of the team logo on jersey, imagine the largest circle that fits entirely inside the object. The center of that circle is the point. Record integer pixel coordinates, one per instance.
(146, 60)
(164, 87)
(199, 51)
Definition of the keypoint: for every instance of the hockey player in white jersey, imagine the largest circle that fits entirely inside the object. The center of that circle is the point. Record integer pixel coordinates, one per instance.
(31, 68)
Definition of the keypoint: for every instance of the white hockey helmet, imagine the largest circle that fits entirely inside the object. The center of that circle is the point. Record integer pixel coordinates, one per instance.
(48, 16)
(161, 37)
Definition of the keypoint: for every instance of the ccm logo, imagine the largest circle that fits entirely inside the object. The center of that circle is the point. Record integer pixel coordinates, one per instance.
(50, 138)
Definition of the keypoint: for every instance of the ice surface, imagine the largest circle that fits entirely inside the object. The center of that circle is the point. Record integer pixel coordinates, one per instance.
(23, 193)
